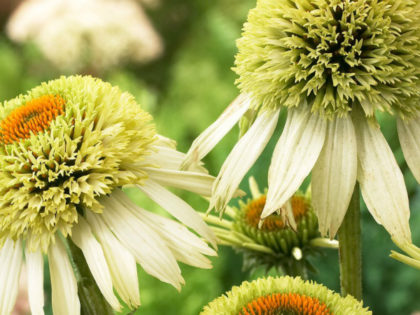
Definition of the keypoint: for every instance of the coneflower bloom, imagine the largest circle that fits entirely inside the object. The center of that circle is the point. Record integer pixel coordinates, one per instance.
(272, 244)
(67, 147)
(285, 295)
(331, 64)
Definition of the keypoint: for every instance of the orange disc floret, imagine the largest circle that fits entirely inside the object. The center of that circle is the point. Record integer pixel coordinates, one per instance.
(273, 222)
(33, 117)
(285, 303)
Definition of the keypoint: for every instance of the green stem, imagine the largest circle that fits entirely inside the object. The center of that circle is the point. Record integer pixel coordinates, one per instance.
(349, 236)
(91, 299)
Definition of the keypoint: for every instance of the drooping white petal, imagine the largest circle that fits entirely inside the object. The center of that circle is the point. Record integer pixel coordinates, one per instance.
(207, 140)
(192, 181)
(10, 267)
(178, 208)
(334, 175)
(65, 300)
(241, 158)
(95, 258)
(144, 243)
(409, 135)
(381, 181)
(185, 245)
(294, 156)
(120, 261)
(35, 270)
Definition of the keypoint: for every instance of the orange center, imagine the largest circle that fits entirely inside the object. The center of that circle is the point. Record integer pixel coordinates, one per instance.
(274, 221)
(285, 303)
(33, 117)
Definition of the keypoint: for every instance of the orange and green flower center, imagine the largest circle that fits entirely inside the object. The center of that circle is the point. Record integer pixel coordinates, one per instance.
(285, 304)
(33, 117)
(274, 221)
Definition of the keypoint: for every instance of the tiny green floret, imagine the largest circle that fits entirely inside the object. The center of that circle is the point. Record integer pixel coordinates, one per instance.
(331, 55)
(63, 145)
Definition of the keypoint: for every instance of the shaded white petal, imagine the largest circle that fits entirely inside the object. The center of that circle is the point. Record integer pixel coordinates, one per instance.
(381, 181)
(241, 158)
(120, 261)
(95, 258)
(294, 156)
(192, 181)
(143, 242)
(35, 270)
(185, 245)
(11, 257)
(178, 208)
(208, 139)
(409, 135)
(65, 300)
(334, 175)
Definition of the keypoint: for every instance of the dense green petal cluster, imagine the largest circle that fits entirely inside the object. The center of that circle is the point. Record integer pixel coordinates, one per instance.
(234, 301)
(332, 55)
(88, 150)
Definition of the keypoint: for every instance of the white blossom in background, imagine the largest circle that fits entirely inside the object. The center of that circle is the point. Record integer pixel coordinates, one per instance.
(86, 35)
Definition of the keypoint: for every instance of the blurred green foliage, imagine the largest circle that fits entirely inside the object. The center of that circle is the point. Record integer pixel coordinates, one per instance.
(186, 90)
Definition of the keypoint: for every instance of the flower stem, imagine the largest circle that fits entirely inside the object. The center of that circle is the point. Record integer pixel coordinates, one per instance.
(91, 299)
(349, 236)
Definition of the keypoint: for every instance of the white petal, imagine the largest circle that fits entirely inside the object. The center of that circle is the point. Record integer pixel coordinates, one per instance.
(294, 157)
(35, 270)
(207, 140)
(65, 300)
(241, 158)
(381, 181)
(10, 266)
(95, 258)
(192, 181)
(408, 133)
(145, 244)
(185, 245)
(120, 261)
(178, 208)
(334, 175)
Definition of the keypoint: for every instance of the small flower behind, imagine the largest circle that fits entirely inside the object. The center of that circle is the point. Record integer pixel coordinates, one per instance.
(67, 147)
(331, 64)
(271, 243)
(284, 295)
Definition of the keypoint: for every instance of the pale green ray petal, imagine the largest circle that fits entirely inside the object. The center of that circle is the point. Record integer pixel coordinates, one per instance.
(10, 266)
(208, 139)
(294, 156)
(334, 175)
(381, 180)
(409, 135)
(65, 300)
(242, 157)
(95, 258)
(35, 270)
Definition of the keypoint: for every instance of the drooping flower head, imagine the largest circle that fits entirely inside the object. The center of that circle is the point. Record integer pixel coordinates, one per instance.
(271, 243)
(67, 147)
(283, 295)
(331, 64)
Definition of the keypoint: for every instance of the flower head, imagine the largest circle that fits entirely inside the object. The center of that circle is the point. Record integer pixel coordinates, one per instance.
(331, 64)
(283, 295)
(271, 243)
(99, 34)
(67, 147)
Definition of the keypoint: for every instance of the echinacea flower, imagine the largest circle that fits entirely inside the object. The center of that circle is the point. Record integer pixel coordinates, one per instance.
(67, 147)
(331, 64)
(86, 35)
(284, 295)
(272, 243)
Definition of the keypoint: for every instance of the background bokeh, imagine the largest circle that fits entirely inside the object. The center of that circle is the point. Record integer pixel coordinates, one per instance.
(185, 89)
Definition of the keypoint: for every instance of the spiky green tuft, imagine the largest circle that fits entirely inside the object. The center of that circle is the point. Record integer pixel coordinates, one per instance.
(85, 152)
(332, 55)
